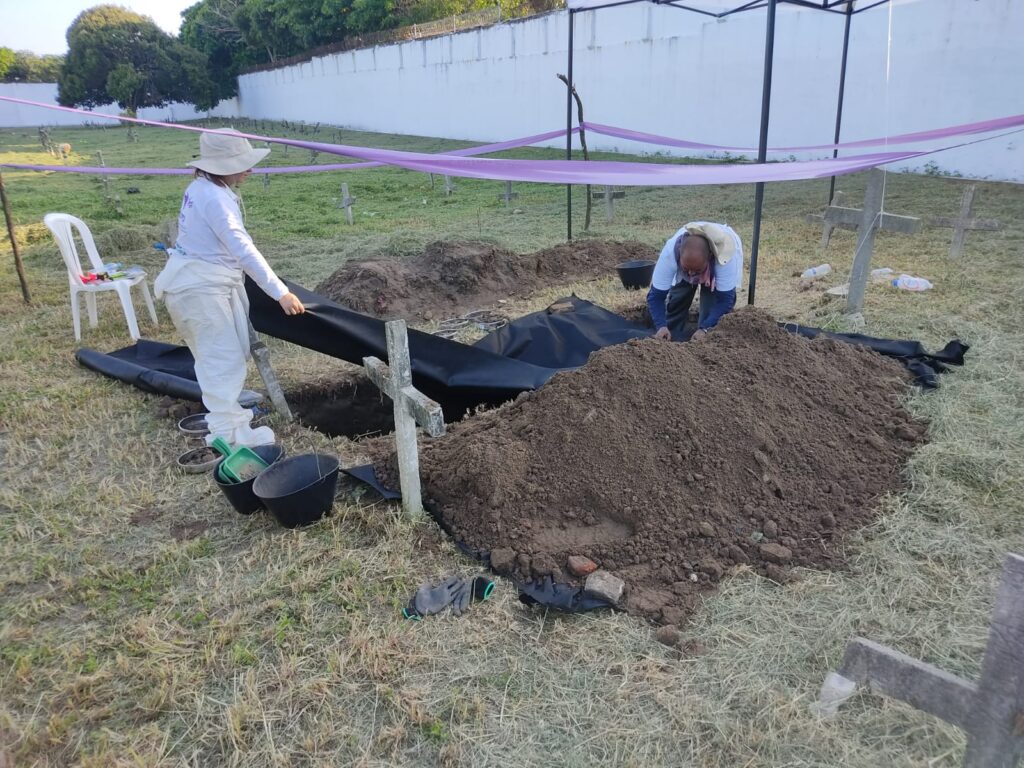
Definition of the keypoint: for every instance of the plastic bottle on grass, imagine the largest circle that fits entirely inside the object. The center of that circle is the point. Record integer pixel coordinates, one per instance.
(883, 274)
(911, 283)
(818, 271)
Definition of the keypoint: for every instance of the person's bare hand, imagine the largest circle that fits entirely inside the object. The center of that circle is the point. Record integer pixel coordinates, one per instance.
(664, 334)
(291, 305)
(699, 334)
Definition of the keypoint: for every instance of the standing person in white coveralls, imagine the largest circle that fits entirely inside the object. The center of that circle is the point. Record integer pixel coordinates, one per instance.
(203, 283)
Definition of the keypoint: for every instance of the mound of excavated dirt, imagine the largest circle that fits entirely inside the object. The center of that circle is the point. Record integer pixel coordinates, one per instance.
(671, 464)
(452, 277)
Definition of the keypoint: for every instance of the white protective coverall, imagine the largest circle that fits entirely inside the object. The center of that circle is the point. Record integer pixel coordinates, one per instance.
(203, 286)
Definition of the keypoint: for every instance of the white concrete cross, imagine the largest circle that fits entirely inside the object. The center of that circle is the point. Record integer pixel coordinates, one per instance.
(963, 223)
(990, 711)
(412, 407)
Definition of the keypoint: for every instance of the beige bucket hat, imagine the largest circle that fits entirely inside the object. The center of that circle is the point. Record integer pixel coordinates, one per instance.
(722, 243)
(226, 152)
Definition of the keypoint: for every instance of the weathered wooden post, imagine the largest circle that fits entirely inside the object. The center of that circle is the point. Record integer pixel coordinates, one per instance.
(261, 355)
(449, 187)
(871, 219)
(346, 202)
(964, 222)
(104, 178)
(18, 265)
(394, 379)
(609, 195)
(509, 195)
(990, 711)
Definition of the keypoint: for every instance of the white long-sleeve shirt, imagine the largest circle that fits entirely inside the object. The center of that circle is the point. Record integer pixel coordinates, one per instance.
(210, 229)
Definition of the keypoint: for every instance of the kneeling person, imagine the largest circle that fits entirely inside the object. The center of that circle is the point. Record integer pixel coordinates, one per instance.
(704, 255)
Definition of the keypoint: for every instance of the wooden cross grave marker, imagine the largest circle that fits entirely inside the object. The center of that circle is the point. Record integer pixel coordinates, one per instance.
(828, 226)
(868, 221)
(412, 407)
(508, 195)
(346, 202)
(991, 711)
(963, 223)
(609, 194)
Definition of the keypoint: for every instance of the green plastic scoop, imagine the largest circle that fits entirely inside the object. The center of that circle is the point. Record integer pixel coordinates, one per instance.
(240, 464)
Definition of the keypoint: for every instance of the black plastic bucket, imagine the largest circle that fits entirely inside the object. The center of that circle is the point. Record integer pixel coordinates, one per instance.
(299, 490)
(635, 274)
(240, 495)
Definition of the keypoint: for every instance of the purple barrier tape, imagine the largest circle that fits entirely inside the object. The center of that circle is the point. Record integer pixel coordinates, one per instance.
(984, 126)
(564, 171)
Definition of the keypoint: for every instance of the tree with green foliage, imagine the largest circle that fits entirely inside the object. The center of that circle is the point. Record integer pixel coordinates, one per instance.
(117, 55)
(27, 67)
(6, 62)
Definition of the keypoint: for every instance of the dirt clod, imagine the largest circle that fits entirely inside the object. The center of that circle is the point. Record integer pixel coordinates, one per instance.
(580, 566)
(775, 553)
(668, 635)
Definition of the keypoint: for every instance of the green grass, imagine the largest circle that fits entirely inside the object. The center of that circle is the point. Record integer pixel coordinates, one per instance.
(249, 645)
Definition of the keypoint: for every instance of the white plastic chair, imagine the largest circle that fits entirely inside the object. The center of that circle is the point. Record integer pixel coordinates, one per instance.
(61, 224)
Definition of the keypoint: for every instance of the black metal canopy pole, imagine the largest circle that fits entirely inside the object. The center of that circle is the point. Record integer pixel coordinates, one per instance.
(839, 104)
(762, 146)
(568, 132)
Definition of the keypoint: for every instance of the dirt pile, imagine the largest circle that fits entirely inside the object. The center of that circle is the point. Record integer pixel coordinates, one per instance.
(672, 464)
(451, 277)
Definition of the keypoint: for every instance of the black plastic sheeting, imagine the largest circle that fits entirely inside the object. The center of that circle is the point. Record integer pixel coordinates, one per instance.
(152, 366)
(923, 366)
(457, 376)
(521, 356)
(564, 334)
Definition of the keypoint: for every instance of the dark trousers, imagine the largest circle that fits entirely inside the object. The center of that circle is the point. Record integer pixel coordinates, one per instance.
(677, 309)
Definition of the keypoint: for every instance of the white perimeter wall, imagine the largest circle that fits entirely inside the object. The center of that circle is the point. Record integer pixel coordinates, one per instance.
(23, 116)
(662, 70)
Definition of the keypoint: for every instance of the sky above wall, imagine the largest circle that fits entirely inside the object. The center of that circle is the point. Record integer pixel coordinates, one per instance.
(40, 25)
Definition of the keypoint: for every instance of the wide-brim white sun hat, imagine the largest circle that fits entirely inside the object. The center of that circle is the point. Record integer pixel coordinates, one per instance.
(224, 153)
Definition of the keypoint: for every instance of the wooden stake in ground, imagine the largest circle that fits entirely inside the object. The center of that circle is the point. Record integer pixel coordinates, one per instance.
(394, 379)
(261, 355)
(583, 142)
(346, 202)
(14, 242)
(509, 195)
(609, 194)
(869, 221)
(991, 711)
(963, 223)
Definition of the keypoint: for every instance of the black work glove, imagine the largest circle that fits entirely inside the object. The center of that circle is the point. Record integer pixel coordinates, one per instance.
(429, 600)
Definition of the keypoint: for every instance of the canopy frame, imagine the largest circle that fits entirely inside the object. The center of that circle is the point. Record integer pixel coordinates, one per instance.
(829, 6)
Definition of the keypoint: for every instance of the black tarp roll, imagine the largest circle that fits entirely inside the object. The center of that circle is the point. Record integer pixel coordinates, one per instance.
(152, 366)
